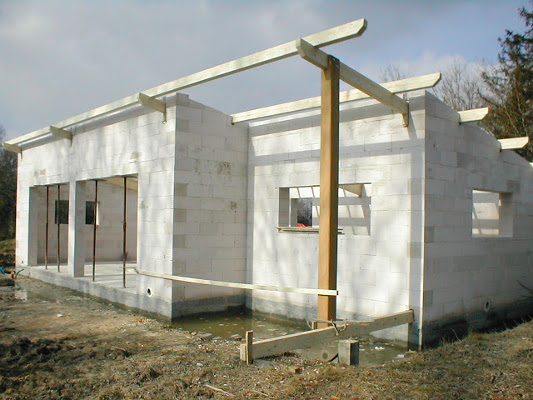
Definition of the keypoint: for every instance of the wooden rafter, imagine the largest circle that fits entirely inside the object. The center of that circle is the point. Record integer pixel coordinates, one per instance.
(400, 86)
(476, 114)
(154, 104)
(60, 132)
(324, 38)
(12, 147)
(319, 58)
(513, 143)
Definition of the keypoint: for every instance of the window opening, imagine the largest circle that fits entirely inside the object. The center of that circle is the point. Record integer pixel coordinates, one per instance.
(492, 214)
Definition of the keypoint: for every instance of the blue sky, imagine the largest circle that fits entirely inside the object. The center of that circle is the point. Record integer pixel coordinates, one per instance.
(59, 58)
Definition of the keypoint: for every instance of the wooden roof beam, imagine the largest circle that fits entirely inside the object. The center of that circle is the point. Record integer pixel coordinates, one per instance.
(400, 86)
(12, 147)
(324, 38)
(474, 115)
(319, 58)
(154, 104)
(60, 132)
(513, 143)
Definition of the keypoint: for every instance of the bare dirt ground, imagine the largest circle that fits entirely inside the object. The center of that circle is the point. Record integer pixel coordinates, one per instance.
(72, 347)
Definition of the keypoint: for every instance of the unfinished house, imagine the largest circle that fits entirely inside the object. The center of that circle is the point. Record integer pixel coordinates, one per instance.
(379, 201)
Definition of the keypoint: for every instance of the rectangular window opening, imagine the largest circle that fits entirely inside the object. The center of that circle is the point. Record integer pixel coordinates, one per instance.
(299, 208)
(492, 214)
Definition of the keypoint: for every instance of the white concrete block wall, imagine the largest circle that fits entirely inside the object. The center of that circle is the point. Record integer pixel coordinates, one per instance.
(209, 233)
(464, 271)
(374, 269)
(132, 142)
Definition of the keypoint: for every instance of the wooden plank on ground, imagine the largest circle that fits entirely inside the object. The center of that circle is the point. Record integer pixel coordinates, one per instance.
(302, 340)
(324, 38)
(400, 86)
(236, 285)
(513, 143)
(476, 114)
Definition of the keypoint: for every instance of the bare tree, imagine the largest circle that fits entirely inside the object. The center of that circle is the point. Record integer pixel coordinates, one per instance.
(461, 86)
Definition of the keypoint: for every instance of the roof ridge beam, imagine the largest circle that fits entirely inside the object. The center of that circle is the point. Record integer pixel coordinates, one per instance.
(324, 38)
(60, 132)
(473, 115)
(399, 86)
(319, 58)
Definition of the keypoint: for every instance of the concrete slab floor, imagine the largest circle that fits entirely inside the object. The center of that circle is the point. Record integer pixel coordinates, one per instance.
(108, 274)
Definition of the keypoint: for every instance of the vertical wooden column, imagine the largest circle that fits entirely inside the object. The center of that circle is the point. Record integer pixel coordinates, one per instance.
(329, 197)
(46, 229)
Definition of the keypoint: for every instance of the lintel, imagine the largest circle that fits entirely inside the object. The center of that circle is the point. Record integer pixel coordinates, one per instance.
(513, 143)
(60, 132)
(476, 114)
(399, 86)
(319, 58)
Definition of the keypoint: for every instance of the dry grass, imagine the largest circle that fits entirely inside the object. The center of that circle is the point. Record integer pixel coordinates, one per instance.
(71, 347)
(7, 254)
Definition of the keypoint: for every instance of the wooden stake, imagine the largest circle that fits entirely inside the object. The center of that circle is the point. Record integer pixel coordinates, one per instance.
(329, 179)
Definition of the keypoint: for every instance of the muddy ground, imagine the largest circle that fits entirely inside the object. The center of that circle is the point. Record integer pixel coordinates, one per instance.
(72, 347)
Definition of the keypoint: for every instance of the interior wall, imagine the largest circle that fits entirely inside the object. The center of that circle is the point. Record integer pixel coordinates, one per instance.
(474, 277)
(209, 236)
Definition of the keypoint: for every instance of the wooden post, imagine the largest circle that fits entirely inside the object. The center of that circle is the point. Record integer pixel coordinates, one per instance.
(46, 229)
(329, 177)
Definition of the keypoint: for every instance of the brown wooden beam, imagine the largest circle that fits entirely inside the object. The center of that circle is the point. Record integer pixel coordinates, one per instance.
(329, 196)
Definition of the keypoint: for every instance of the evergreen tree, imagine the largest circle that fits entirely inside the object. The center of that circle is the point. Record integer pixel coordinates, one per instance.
(510, 86)
(8, 190)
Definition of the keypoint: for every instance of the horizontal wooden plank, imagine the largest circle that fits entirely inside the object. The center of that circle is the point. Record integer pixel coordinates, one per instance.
(324, 38)
(302, 340)
(400, 86)
(235, 285)
(513, 143)
(476, 114)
